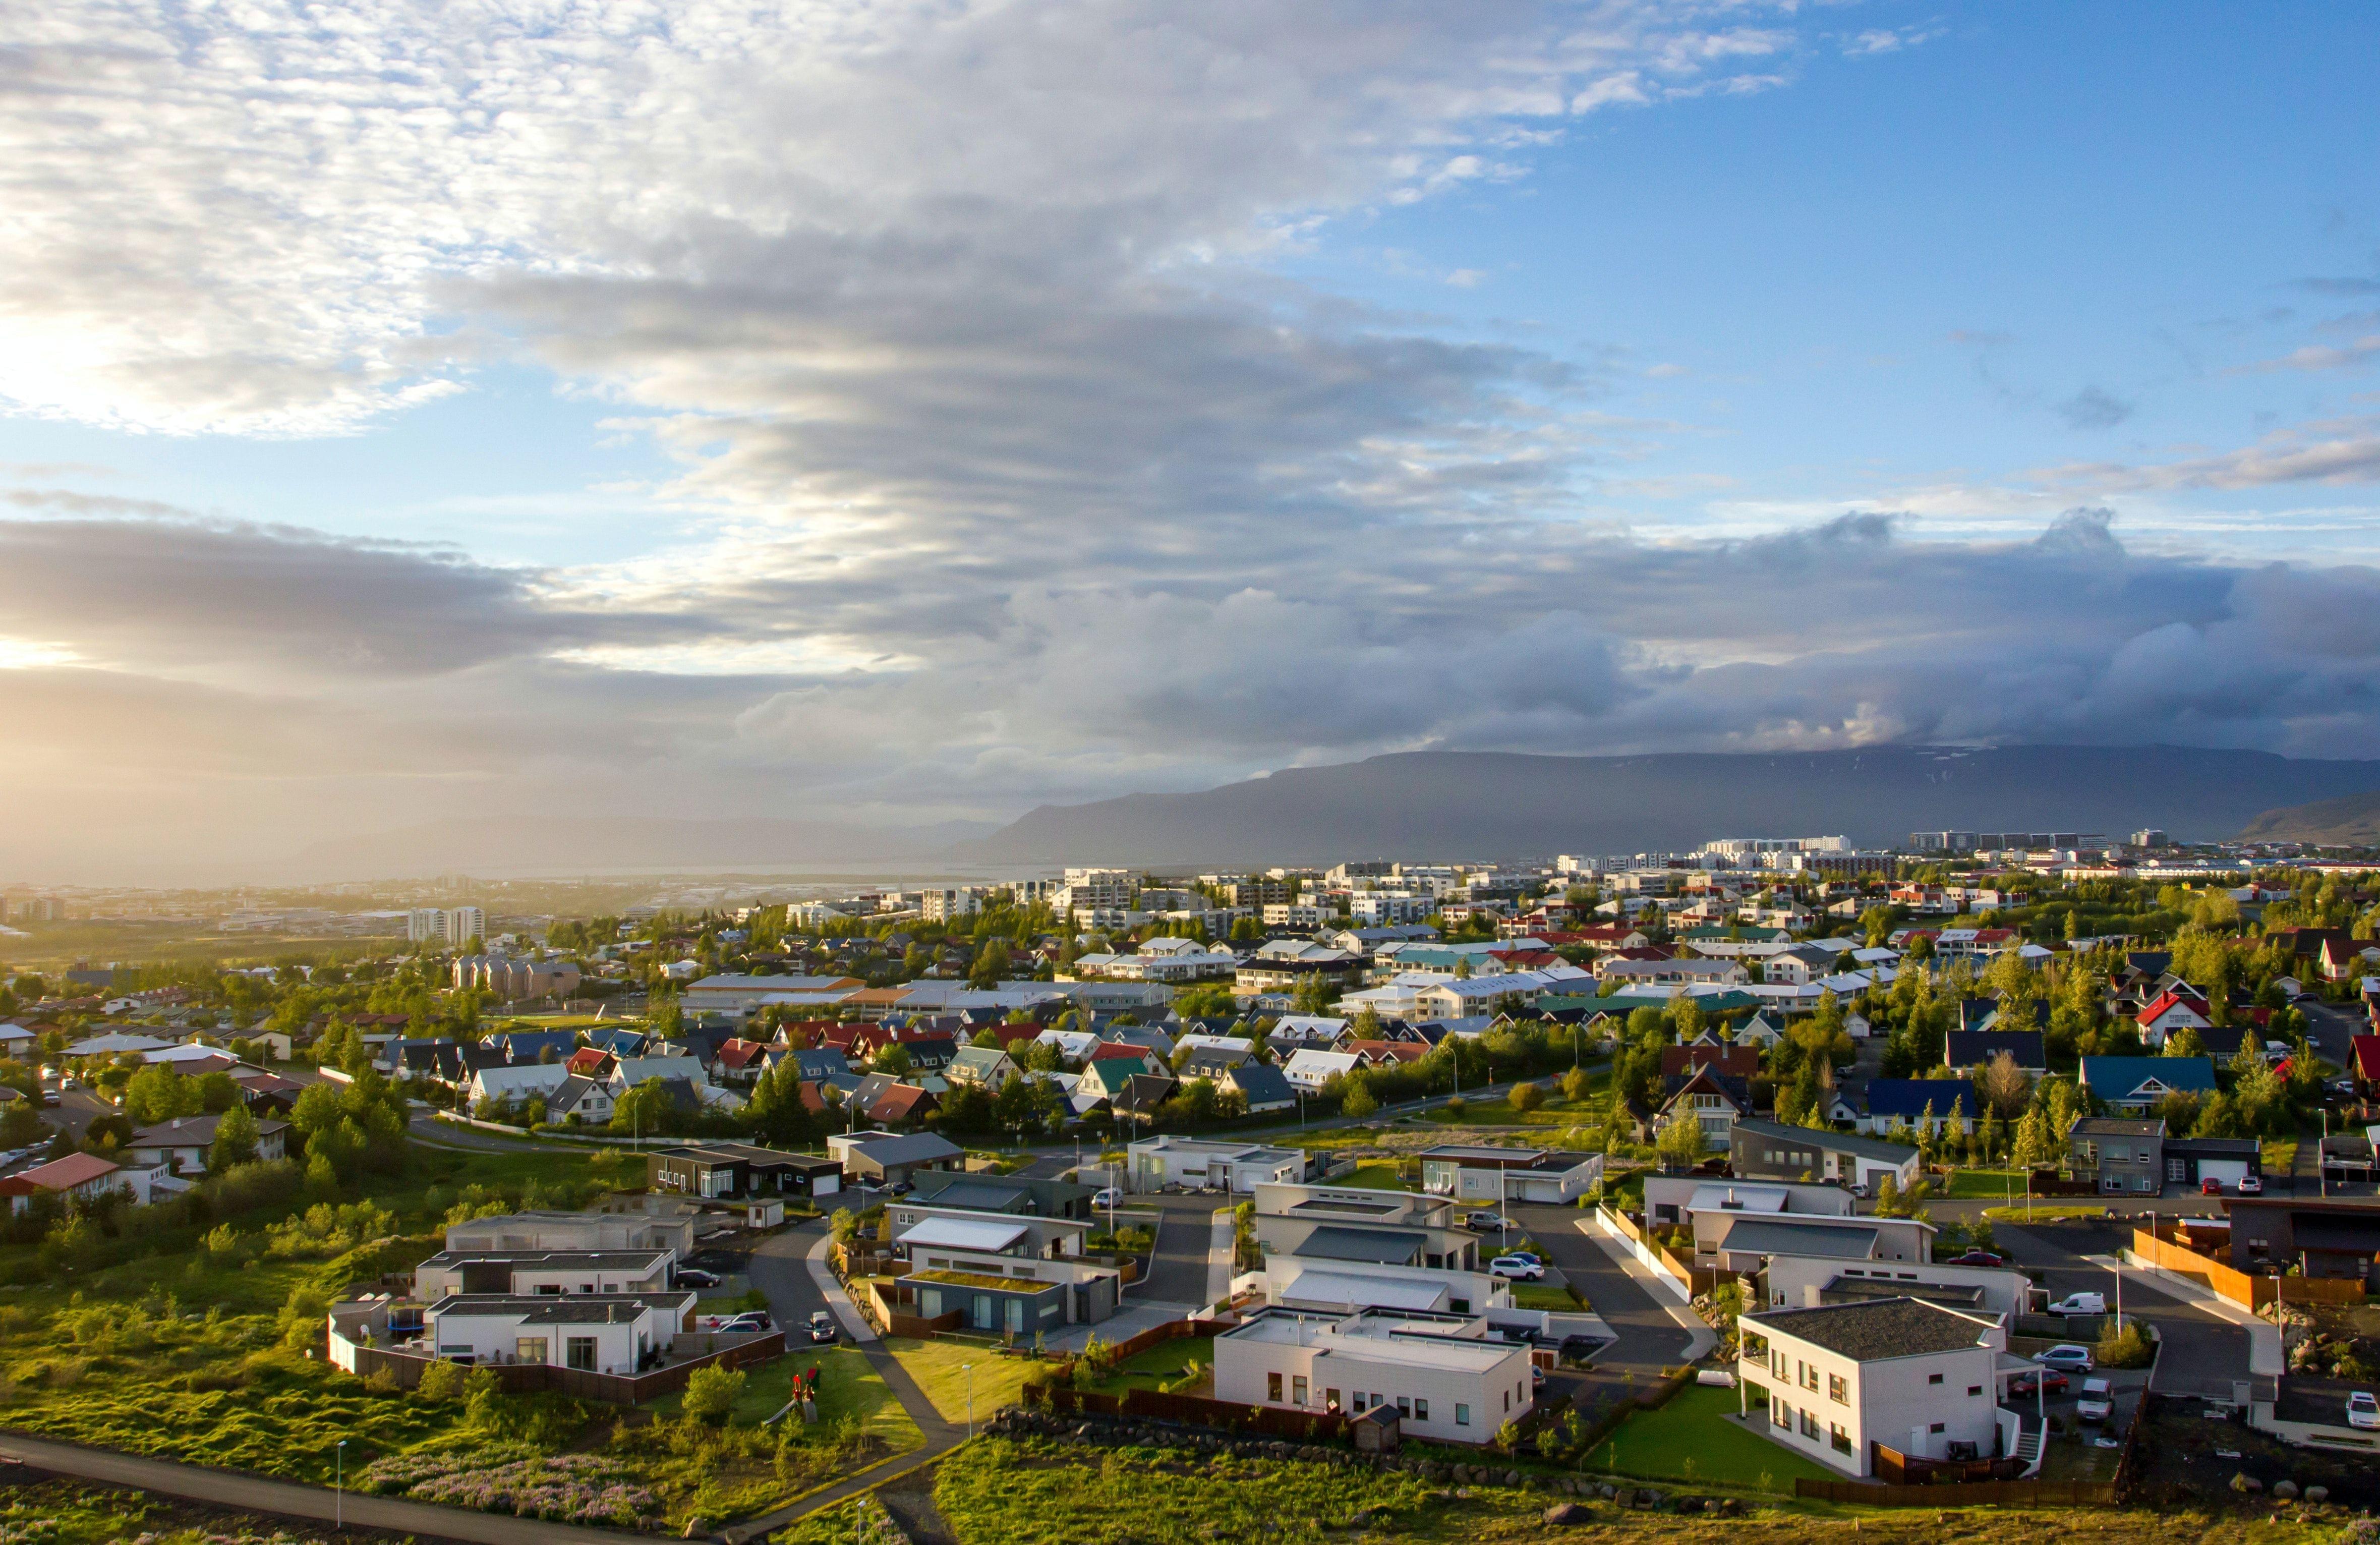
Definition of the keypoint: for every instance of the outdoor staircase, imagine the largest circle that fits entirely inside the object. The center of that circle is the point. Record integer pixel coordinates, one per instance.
(2028, 1448)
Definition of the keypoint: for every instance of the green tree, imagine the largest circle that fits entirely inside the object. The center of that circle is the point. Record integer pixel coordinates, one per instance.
(235, 1139)
(710, 1396)
(1682, 1143)
(1526, 1095)
(646, 1109)
(1358, 1103)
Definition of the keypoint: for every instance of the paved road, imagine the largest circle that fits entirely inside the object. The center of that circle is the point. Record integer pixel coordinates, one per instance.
(2203, 1353)
(1650, 1339)
(1178, 1270)
(291, 1500)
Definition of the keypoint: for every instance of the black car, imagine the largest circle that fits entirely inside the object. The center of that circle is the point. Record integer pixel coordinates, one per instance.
(694, 1276)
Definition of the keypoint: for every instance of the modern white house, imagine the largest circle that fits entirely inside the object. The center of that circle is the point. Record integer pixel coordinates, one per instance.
(1154, 1164)
(1494, 1176)
(540, 1273)
(1743, 1242)
(1836, 1383)
(1791, 1281)
(1448, 1380)
(1673, 1198)
(598, 1333)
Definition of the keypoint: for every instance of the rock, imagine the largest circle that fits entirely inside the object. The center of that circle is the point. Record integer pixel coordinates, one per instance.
(2317, 1493)
(2242, 1481)
(1512, 1477)
(1568, 1513)
(1431, 1470)
(2285, 1490)
(1607, 1491)
(695, 1529)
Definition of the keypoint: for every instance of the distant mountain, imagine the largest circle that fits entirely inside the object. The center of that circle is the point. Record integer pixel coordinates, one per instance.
(1448, 805)
(520, 846)
(2353, 821)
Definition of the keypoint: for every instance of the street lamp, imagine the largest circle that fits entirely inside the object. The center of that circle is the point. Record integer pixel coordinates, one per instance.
(339, 1488)
(968, 1369)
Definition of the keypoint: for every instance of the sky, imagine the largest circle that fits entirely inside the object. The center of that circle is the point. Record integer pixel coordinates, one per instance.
(907, 412)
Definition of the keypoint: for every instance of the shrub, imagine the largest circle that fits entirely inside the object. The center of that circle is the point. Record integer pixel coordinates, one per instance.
(1527, 1096)
(444, 1382)
(711, 1394)
(2125, 1348)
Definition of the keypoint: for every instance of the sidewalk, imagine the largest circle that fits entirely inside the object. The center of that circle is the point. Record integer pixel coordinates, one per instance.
(846, 1312)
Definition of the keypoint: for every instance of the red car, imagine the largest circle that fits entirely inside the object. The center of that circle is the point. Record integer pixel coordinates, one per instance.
(2210, 1188)
(2025, 1383)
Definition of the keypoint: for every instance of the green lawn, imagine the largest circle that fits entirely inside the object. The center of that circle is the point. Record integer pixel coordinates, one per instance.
(2044, 1212)
(941, 1368)
(1985, 1185)
(1161, 1364)
(1380, 1176)
(1555, 1112)
(847, 1387)
(1692, 1438)
(1543, 1296)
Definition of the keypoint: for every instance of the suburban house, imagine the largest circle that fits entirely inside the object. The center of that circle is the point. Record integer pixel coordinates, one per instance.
(1309, 1067)
(1710, 1099)
(181, 1144)
(77, 1177)
(2122, 1154)
(1770, 1151)
(1839, 1382)
(1261, 1088)
(987, 1067)
(533, 1273)
(1448, 1378)
(1923, 1105)
(600, 1333)
(1741, 1240)
(659, 1224)
(2170, 1012)
(2191, 1162)
(1813, 1281)
(882, 1159)
(988, 1193)
(736, 1172)
(1355, 1228)
(2338, 1238)
(1472, 1175)
(527, 1082)
(999, 1268)
(1672, 1198)
(2136, 1085)
(1153, 1164)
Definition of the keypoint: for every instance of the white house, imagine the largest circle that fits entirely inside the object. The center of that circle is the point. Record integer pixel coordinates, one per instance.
(1909, 1375)
(1309, 1068)
(1156, 1162)
(522, 1081)
(542, 1273)
(1448, 1382)
(181, 1144)
(600, 1333)
(1490, 1175)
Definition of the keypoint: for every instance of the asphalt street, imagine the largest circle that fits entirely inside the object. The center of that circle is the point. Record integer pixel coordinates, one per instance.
(2201, 1354)
(1648, 1339)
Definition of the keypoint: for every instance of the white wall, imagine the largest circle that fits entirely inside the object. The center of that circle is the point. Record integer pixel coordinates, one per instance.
(1494, 1397)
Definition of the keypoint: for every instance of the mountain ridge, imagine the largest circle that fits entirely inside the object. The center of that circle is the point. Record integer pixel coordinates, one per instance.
(1490, 805)
(2350, 821)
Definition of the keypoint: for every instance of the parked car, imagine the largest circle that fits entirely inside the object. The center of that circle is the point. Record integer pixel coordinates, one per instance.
(1517, 1267)
(821, 1327)
(2251, 1186)
(2362, 1410)
(1487, 1223)
(2098, 1401)
(2067, 1357)
(1976, 1258)
(1108, 1197)
(2210, 1188)
(752, 1320)
(2048, 1380)
(2079, 1303)
(695, 1276)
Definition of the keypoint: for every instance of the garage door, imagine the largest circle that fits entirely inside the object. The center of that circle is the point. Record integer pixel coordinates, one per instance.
(2231, 1171)
(828, 1186)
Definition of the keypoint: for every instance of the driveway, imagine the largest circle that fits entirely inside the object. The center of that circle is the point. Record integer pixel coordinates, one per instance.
(1181, 1271)
(2203, 1353)
(1649, 1337)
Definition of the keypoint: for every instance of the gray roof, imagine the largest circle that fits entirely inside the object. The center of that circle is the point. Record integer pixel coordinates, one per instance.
(625, 1258)
(975, 1194)
(915, 1149)
(1383, 1246)
(1770, 1236)
(1873, 1332)
(579, 1308)
(2116, 1126)
(1839, 1142)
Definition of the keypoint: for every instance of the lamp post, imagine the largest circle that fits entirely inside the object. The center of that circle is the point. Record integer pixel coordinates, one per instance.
(339, 1488)
(968, 1369)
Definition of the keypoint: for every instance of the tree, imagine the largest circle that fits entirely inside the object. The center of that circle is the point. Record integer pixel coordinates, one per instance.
(1358, 1103)
(235, 1144)
(2002, 1087)
(710, 1396)
(1682, 1143)
(157, 1094)
(2035, 1146)
(893, 1059)
(1685, 1015)
(991, 965)
(644, 1110)
(1526, 1095)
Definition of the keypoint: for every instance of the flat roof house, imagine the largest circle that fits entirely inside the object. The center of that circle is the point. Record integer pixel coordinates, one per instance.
(733, 1171)
(1770, 1151)
(1474, 1173)
(888, 1159)
(598, 1333)
(661, 1226)
(1153, 1164)
(1839, 1382)
(1363, 1228)
(1447, 1379)
(540, 1273)
(1014, 1273)
(2325, 1238)
(1745, 1242)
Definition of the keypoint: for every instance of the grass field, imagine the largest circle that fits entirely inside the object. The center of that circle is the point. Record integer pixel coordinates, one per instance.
(1002, 1492)
(1542, 1295)
(941, 1368)
(1156, 1364)
(847, 1388)
(1985, 1185)
(1380, 1176)
(1692, 1439)
(2044, 1212)
(1555, 1112)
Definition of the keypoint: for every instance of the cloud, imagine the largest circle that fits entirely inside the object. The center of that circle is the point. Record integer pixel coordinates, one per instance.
(2335, 451)
(2312, 357)
(2094, 408)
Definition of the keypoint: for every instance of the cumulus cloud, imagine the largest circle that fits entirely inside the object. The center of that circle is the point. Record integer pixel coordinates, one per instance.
(2093, 408)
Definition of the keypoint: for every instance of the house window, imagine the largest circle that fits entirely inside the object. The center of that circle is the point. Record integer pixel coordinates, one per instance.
(1933, 1378)
(1507, 1400)
(1809, 1425)
(1404, 1405)
(579, 1352)
(1935, 1427)
(1841, 1438)
(1809, 1377)
(1421, 1409)
(1782, 1415)
(1973, 1390)
(1839, 1389)
(1297, 1390)
(529, 1349)
(1330, 1400)
(1272, 1388)
(1462, 1415)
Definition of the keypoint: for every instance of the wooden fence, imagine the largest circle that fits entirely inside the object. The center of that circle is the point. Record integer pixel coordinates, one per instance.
(2249, 1290)
(615, 1389)
(1195, 1411)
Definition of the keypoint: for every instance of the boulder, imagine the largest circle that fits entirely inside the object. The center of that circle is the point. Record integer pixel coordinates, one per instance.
(2313, 1495)
(2285, 1490)
(1568, 1513)
(2242, 1481)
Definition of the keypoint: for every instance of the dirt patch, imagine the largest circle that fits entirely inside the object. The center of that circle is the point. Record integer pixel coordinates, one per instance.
(2188, 1460)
